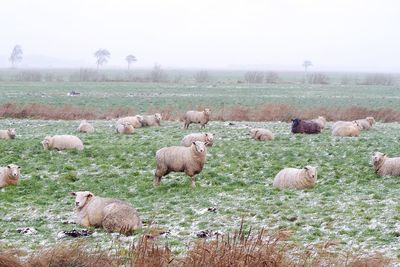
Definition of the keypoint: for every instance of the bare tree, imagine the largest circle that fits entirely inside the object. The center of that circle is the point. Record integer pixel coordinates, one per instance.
(102, 56)
(16, 55)
(254, 77)
(306, 64)
(130, 59)
(271, 77)
(201, 76)
(157, 74)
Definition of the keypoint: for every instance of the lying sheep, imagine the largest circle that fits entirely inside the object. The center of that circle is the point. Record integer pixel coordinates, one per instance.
(85, 127)
(180, 159)
(321, 121)
(7, 134)
(307, 127)
(207, 138)
(151, 120)
(61, 142)
(366, 123)
(296, 178)
(385, 166)
(135, 121)
(111, 214)
(9, 175)
(201, 117)
(346, 123)
(346, 130)
(261, 134)
(125, 128)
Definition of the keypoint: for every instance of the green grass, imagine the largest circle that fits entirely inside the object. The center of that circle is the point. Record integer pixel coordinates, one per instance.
(349, 203)
(148, 96)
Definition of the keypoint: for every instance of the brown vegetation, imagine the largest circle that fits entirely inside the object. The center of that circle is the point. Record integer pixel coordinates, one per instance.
(240, 249)
(266, 112)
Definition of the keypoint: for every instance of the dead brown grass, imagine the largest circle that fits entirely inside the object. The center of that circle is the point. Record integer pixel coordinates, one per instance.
(240, 249)
(267, 112)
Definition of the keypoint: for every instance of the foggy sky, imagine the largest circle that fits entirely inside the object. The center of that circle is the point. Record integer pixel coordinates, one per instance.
(349, 35)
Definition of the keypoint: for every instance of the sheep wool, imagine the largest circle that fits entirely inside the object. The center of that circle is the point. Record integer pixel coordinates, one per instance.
(8, 134)
(61, 142)
(385, 166)
(9, 175)
(207, 138)
(296, 178)
(201, 117)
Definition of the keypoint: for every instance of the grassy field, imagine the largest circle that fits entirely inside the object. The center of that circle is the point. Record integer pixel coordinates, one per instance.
(349, 204)
(144, 97)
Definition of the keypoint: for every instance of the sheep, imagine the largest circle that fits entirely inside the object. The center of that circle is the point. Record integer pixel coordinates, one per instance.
(180, 159)
(113, 215)
(385, 166)
(261, 134)
(61, 142)
(346, 123)
(308, 127)
(201, 117)
(9, 175)
(151, 120)
(346, 130)
(296, 178)
(321, 121)
(366, 123)
(135, 121)
(85, 127)
(207, 138)
(7, 134)
(125, 128)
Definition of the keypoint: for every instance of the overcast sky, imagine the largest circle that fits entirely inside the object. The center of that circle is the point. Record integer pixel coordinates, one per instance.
(358, 35)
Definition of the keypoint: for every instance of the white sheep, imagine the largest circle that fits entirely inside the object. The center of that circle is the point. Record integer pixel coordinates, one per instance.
(346, 123)
(9, 175)
(85, 127)
(8, 134)
(111, 214)
(385, 166)
(346, 130)
(125, 128)
(180, 159)
(366, 123)
(207, 138)
(201, 117)
(321, 121)
(151, 120)
(135, 121)
(261, 134)
(61, 142)
(296, 178)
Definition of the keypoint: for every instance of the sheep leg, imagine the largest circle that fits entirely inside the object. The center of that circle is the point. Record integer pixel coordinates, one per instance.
(193, 181)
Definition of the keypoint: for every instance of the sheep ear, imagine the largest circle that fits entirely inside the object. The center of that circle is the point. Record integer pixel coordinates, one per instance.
(72, 194)
(306, 168)
(384, 154)
(206, 134)
(89, 195)
(8, 166)
(194, 143)
(19, 167)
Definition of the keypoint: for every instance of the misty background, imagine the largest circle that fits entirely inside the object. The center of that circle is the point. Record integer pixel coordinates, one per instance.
(340, 35)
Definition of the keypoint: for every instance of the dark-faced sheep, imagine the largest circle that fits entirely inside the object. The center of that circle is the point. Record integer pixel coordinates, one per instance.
(201, 117)
(307, 127)
(113, 215)
(180, 159)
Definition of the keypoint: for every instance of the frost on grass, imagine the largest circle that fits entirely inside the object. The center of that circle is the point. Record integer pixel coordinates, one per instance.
(349, 204)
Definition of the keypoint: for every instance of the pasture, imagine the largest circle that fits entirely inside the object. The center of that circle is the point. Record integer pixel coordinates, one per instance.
(350, 204)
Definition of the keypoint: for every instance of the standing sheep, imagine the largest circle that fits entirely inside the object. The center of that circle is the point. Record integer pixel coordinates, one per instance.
(180, 159)
(261, 134)
(135, 121)
(124, 128)
(346, 130)
(321, 121)
(151, 120)
(61, 142)
(207, 138)
(85, 127)
(307, 127)
(385, 166)
(8, 134)
(201, 117)
(111, 214)
(9, 175)
(296, 178)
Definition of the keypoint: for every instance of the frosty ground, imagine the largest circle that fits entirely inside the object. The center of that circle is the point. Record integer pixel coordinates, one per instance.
(350, 204)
